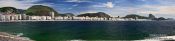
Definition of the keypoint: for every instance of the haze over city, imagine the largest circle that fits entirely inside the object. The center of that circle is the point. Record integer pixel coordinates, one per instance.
(159, 8)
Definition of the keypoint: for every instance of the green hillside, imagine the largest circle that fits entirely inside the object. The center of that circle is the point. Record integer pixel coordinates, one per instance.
(40, 10)
(99, 14)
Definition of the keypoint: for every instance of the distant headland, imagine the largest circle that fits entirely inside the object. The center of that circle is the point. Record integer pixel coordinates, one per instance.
(45, 13)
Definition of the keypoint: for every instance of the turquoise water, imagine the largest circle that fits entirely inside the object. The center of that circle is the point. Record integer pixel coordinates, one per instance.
(89, 30)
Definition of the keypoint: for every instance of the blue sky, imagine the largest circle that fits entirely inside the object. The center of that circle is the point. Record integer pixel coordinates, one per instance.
(164, 8)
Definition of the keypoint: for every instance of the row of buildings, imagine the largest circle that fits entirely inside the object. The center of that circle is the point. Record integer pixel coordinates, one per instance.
(16, 17)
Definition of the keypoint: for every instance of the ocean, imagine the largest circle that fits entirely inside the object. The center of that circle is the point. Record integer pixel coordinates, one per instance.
(90, 30)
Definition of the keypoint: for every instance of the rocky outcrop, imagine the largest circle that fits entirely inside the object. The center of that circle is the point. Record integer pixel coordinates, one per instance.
(8, 37)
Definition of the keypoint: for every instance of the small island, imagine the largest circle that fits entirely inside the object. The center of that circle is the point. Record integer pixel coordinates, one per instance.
(45, 13)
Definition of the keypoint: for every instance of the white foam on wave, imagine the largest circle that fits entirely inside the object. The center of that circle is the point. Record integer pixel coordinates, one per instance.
(159, 38)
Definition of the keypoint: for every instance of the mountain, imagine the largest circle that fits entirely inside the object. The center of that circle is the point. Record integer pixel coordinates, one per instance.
(135, 16)
(40, 10)
(67, 14)
(151, 16)
(99, 14)
(10, 10)
(20, 11)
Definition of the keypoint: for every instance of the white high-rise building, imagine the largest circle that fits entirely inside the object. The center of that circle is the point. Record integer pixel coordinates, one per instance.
(0, 17)
(24, 16)
(20, 17)
(7, 17)
(53, 15)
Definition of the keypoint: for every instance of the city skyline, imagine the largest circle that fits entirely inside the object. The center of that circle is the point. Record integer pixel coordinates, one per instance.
(160, 8)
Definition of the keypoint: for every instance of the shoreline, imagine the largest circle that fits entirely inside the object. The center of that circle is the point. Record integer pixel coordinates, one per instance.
(77, 20)
(163, 38)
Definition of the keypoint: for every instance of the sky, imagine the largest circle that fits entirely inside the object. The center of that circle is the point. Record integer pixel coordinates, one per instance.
(159, 8)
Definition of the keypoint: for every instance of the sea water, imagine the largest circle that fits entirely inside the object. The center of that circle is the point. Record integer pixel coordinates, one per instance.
(90, 30)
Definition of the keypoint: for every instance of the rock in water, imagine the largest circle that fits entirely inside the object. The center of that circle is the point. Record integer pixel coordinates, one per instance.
(8, 37)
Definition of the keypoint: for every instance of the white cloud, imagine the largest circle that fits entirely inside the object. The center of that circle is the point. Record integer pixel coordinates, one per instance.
(143, 0)
(165, 8)
(79, 1)
(106, 5)
(158, 9)
(167, 2)
(89, 11)
(20, 4)
(75, 5)
(109, 5)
